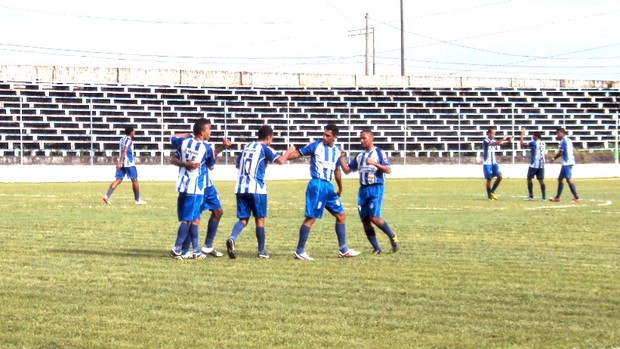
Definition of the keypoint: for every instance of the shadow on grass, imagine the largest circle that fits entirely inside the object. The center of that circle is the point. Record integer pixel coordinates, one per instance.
(134, 253)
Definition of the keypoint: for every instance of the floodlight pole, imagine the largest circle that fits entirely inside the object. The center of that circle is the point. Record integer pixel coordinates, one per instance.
(92, 150)
(161, 145)
(402, 41)
(21, 130)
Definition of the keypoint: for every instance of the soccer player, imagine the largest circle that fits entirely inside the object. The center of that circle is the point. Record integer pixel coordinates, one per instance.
(567, 153)
(191, 184)
(320, 195)
(125, 166)
(372, 165)
(251, 190)
(211, 200)
(537, 164)
(489, 164)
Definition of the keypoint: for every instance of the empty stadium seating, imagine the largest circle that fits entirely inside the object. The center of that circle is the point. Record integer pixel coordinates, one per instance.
(65, 119)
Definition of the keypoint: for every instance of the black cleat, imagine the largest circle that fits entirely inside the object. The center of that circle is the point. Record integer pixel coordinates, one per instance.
(230, 248)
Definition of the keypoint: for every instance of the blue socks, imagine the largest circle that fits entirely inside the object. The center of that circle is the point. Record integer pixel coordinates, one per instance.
(341, 234)
(182, 233)
(237, 230)
(304, 233)
(211, 231)
(260, 238)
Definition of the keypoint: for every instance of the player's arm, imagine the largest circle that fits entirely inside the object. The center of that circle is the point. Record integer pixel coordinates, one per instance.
(377, 164)
(294, 155)
(523, 143)
(338, 177)
(190, 165)
(226, 143)
(282, 159)
(121, 158)
(343, 163)
(502, 141)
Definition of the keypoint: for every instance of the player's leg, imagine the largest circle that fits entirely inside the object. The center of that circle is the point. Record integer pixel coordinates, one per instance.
(185, 217)
(530, 184)
(118, 178)
(259, 210)
(363, 209)
(488, 176)
(313, 210)
(212, 202)
(560, 184)
(568, 174)
(334, 206)
(376, 204)
(304, 233)
(540, 176)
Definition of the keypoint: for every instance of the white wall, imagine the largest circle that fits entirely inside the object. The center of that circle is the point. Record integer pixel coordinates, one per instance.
(84, 173)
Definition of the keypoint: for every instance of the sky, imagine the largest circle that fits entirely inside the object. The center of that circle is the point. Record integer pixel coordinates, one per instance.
(545, 39)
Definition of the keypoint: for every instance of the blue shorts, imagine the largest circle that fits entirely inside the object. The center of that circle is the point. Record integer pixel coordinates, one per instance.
(370, 200)
(130, 172)
(320, 195)
(566, 172)
(211, 200)
(188, 207)
(539, 173)
(491, 171)
(251, 204)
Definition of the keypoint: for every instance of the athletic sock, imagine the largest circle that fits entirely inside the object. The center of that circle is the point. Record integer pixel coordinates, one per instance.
(237, 230)
(186, 244)
(543, 190)
(573, 189)
(489, 192)
(211, 232)
(260, 238)
(136, 195)
(109, 192)
(182, 233)
(372, 238)
(341, 234)
(193, 232)
(530, 189)
(304, 233)
(560, 188)
(387, 230)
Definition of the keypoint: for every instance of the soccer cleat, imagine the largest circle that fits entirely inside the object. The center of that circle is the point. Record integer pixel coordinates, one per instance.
(493, 196)
(575, 201)
(107, 200)
(302, 256)
(395, 244)
(230, 248)
(529, 198)
(199, 255)
(140, 202)
(175, 255)
(211, 252)
(263, 254)
(555, 199)
(348, 254)
(376, 252)
(543, 199)
(187, 255)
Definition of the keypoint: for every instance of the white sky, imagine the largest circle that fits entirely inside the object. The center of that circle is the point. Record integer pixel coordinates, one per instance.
(569, 39)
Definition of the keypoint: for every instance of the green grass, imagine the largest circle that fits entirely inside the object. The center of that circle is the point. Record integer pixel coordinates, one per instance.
(471, 273)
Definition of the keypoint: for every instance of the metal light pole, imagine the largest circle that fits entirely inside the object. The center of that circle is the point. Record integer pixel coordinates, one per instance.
(402, 41)
(161, 145)
(92, 146)
(21, 130)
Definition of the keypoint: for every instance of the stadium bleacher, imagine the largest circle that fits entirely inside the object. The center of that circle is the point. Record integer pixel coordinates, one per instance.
(63, 119)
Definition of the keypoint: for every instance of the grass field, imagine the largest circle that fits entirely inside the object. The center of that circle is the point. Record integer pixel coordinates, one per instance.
(471, 273)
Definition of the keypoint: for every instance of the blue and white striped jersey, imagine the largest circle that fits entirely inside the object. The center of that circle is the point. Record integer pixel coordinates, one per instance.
(324, 159)
(568, 155)
(193, 181)
(206, 166)
(537, 153)
(369, 174)
(252, 163)
(488, 151)
(129, 160)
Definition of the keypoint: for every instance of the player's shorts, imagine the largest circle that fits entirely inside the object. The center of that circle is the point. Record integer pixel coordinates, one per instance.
(566, 172)
(188, 207)
(211, 200)
(131, 173)
(539, 173)
(370, 200)
(491, 171)
(320, 195)
(251, 204)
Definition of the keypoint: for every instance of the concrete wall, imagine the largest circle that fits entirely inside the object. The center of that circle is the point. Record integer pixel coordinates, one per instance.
(168, 173)
(102, 75)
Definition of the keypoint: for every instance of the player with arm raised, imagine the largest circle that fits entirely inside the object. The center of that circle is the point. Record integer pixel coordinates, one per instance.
(537, 164)
(372, 164)
(490, 166)
(251, 190)
(320, 195)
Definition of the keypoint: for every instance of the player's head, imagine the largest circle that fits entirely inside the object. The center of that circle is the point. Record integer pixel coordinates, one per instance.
(537, 135)
(265, 133)
(202, 129)
(330, 134)
(130, 131)
(491, 132)
(366, 138)
(560, 132)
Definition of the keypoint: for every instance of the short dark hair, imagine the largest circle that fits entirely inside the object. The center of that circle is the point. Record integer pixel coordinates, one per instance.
(128, 130)
(490, 128)
(560, 129)
(332, 127)
(537, 134)
(366, 130)
(264, 132)
(199, 125)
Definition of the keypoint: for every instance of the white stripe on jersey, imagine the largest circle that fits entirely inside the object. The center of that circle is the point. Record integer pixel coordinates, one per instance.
(192, 181)
(126, 141)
